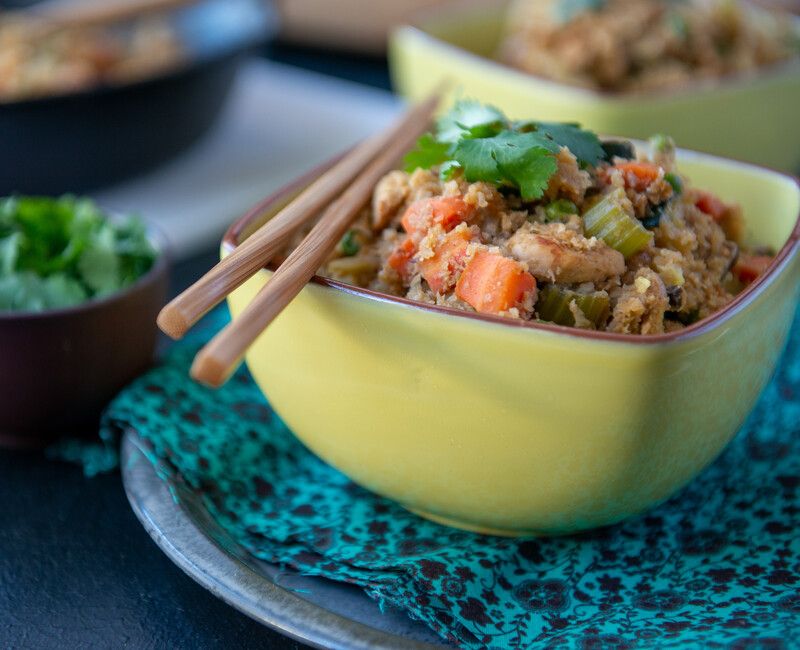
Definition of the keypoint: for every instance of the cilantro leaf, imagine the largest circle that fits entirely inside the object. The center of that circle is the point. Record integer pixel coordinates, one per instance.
(469, 115)
(530, 170)
(9, 252)
(511, 157)
(448, 170)
(27, 291)
(428, 153)
(477, 159)
(585, 145)
(99, 265)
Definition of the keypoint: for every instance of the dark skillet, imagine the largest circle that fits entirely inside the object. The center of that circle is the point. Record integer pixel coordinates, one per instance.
(84, 140)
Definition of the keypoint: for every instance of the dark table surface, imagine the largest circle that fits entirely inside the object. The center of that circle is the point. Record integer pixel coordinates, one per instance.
(77, 570)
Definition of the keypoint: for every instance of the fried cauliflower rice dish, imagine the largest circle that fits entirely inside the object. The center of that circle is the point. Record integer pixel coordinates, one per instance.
(643, 45)
(543, 221)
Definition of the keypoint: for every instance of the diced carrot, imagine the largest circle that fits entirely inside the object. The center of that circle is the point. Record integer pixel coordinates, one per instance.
(492, 283)
(400, 258)
(446, 211)
(639, 175)
(712, 206)
(448, 258)
(749, 267)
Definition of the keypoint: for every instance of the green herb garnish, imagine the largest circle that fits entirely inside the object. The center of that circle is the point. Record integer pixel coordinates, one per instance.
(428, 153)
(349, 244)
(59, 252)
(484, 145)
(558, 210)
(675, 181)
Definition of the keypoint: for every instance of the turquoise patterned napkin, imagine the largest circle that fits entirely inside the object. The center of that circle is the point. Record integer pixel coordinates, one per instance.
(718, 565)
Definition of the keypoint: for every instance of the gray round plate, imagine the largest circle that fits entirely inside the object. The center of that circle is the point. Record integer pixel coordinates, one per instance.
(320, 612)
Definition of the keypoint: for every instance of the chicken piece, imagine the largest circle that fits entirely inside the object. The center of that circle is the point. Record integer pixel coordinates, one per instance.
(556, 253)
(390, 194)
(569, 181)
(641, 305)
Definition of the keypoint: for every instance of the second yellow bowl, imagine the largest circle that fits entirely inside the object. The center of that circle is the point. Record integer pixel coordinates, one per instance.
(753, 118)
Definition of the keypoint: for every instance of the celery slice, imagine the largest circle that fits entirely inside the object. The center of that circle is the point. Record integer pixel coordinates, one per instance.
(607, 220)
(553, 305)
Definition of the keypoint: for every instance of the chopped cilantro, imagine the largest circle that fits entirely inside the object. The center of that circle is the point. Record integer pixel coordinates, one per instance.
(59, 252)
(481, 142)
(428, 153)
(584, 145)
(468, 115)
(449, 169)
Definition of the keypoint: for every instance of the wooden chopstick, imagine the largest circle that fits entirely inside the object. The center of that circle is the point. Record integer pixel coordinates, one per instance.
(180, 314)
(219, 358)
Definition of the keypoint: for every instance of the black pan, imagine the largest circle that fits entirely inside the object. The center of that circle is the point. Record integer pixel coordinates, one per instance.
(92, 138)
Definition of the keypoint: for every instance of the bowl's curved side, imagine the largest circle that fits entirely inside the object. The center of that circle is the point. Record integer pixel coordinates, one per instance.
(750, 119)
(505, 429)
(58, 369)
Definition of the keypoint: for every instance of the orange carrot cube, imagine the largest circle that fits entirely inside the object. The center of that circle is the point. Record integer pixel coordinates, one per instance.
(441, 270)
(445, 211)
(400, 258)
(493, 284)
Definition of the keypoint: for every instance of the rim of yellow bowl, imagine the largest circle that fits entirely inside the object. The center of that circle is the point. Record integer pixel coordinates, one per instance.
(742, 300)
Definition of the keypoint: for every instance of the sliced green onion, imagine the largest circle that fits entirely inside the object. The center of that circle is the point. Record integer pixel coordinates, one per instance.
(554, 301)
(675, 181)
(608, 221)
(557, 210)
(349, 244)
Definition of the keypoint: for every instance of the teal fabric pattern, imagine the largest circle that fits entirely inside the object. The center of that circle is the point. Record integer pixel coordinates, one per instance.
(718, 565)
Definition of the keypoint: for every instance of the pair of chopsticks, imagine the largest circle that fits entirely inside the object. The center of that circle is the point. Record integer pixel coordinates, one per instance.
(341, 192)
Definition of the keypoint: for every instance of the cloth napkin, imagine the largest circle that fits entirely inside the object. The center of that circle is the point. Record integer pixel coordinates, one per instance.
(718, 565)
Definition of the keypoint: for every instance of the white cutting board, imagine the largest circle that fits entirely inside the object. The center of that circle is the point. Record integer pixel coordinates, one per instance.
(280, 121)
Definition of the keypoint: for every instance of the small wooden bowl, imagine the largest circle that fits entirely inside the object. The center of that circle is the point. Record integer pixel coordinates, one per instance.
(59, 368)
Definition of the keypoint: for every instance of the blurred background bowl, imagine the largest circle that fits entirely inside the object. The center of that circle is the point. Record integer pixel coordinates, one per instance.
(97, 136)
(59, 368)
(750, 118)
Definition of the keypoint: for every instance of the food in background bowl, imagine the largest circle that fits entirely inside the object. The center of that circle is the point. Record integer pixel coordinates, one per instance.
(57, 253)
(64, 61)
(643, 45)
(79, 295)
(531, 220)
(747, 117)
(101, 134)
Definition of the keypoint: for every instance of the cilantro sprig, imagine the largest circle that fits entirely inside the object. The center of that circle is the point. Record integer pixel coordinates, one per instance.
(479, 141)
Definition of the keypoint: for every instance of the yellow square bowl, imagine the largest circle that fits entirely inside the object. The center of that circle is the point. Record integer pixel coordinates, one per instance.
(521, 428)
(753, 118)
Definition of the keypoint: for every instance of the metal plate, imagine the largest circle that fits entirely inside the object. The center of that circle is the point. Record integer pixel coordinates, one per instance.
(320, 612)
